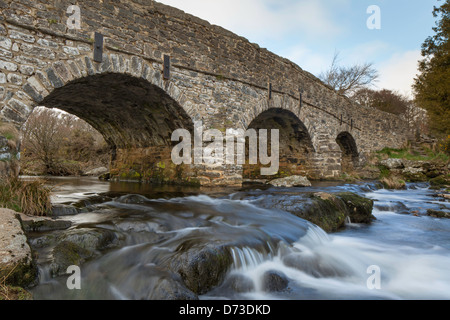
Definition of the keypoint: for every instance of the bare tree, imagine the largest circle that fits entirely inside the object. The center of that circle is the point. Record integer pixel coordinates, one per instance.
(43, 137)
(384, 100)
(58, 143)
(347, 80)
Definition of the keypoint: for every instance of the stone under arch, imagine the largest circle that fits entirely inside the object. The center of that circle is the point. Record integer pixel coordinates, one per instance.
(296, 147)
(349, 151)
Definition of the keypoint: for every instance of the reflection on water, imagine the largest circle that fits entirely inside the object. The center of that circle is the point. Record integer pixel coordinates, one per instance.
(154, 225)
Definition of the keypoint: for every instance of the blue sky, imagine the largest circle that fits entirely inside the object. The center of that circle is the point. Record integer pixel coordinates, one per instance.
(309, 32)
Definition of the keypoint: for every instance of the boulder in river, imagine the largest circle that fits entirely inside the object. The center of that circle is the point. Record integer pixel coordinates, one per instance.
(273, 281)
(67, 254)
(292, 181)
(438, 214)
(329, 211)
(201, 267)
(392, 163)
(96, 172)
(43, 224)
(169, 289)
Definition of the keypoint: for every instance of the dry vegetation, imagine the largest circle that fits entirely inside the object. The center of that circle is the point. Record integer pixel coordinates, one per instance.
(60, 144)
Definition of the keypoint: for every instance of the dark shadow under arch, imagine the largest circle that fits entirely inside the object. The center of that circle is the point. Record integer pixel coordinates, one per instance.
(296, 148)
(135, 117)
(127, 111)
(349, 149)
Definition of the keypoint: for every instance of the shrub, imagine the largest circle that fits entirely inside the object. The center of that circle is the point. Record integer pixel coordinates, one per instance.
(393, 183)
(29, 197)
(444, 146)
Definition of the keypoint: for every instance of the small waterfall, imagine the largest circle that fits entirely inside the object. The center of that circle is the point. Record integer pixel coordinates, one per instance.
(348, 221)
(246, 258)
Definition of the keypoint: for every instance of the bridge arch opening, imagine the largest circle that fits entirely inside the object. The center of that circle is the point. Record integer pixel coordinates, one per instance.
(296, 148)
(349, 150)
(136, 119)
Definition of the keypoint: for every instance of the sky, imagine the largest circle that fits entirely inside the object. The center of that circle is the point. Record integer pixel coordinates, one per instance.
(310, 32)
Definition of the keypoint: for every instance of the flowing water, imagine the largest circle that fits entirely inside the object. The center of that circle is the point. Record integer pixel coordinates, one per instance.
(408, 250)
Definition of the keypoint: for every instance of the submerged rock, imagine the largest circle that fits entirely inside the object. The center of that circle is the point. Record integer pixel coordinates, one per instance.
(238, 283)
(67, 254)
(273, 281)
(64, 210)
(91, 239)
(292, 181)
(201, 267)
(169, 289)
(438, 214)
(314, 265)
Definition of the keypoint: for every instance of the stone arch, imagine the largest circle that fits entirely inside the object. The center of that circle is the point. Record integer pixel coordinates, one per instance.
(349, 151)
(296, 147)
(125, 99)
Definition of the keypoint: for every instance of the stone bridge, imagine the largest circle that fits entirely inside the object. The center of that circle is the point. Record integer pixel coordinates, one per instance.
(159, 69)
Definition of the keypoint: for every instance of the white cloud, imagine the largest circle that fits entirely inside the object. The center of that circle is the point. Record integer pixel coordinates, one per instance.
(308, 60)
(264, 20)
(399, 71)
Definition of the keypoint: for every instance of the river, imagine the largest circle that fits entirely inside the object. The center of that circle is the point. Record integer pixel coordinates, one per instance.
(404, 254)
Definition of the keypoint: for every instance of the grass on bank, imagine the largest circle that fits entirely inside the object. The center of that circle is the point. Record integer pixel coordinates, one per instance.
(8, 292)
(29, 197)
(408, 154)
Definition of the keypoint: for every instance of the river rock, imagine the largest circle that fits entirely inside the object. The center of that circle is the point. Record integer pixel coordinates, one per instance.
(359, 208)
(438, 214)
(314, 265)
(394, 206)
(444, 195)
(292, 181)
(96, 172)
(169, 289)
(43, 224)
(273, 281)
(67, 254)
(63, 210)
(91, 239)
(201, 267)
(440, 181)
(393, 163)
(413, 174)
(329, 211)
(16, 263)
(238, 283)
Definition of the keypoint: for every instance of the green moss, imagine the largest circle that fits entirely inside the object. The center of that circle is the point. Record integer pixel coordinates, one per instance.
(384, 172)
(161, 165)
(22, 275)
(408, 154)
(52, 21)
(14, 293)
(440, 181)
(66, 254)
